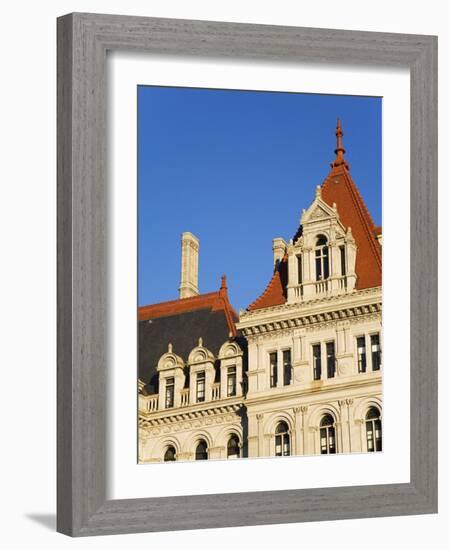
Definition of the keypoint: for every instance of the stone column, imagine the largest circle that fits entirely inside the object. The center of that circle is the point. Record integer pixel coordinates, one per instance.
(216, 452)
(351, 434)
(253, 366)
(300, 364)
(344, 421)
(338, 435)
(300, 425)
(185, 456)
(351, 253)
(334, 264)
(315, 447)
(346, 366)
(260, 434)
(309, 273)
(360, 426)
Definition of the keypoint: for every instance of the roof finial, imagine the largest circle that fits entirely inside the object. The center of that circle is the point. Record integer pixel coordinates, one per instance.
(223, 282)
(170, 348)
(340, 150)
(223, 292)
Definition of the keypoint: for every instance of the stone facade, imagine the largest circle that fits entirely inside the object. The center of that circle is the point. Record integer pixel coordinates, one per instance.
(304, 374)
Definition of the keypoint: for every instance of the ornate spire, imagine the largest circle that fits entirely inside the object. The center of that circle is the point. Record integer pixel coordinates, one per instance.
(340, 150)
(223, 282)
(224, 287)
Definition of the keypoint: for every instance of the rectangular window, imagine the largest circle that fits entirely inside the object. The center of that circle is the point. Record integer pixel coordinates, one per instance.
(326, 262)
(287, 363)
(318, 271)
(375, 351)
(273, 370)
(316, 353)
(299, 269)
(169, 393)
(232, 381)
(200, 387)
(343, 261)
(361, 354)
(330, 359)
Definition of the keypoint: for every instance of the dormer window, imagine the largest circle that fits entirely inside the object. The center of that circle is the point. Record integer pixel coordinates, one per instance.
(321, 258)
(200, 387)
(169, 393)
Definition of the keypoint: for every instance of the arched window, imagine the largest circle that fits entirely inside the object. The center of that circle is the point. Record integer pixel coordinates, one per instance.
(282, 440)
(201, 452)
(170, 454)
(327, 435)
(321, 258)
(373, 425)
(233, 447)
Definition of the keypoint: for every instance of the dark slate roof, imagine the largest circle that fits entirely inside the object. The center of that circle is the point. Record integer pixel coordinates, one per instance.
(183, 331)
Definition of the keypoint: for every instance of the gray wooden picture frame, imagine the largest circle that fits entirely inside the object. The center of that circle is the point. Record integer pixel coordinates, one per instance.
(83, 40)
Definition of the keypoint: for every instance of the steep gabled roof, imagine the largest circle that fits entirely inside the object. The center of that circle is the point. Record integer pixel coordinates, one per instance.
(181, 323)
(276, 290)
(214, 301)
(338, 188)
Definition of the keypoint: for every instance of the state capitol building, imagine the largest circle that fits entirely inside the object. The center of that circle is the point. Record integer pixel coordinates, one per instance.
(299, 372)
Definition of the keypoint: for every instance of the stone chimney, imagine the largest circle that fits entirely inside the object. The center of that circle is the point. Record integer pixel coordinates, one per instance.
(190, 246)
(279, 247)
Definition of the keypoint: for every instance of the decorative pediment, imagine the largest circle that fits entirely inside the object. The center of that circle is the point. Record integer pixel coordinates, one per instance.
(318, 213)
(200, 354)
(230, 349)
(318, 210)
(170, 360)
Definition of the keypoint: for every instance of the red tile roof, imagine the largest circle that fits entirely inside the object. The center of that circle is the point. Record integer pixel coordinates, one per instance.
(276, 291)
(338, 188)
(215, 301)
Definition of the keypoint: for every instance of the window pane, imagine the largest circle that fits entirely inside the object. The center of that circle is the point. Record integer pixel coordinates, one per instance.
(361, 354)
(343, 260)
(233, 447)
(330, 358)
(200, 387)
(232, 381)
(169, 393)
(278, 445)
(169, 455)
(323, 441)
(273, 370)
(319, 274)
(375, 351)
(316, 352)
(286, 445)
(332, 444)
(286, 359)
(201, 451)
(299, 269)
(326, 262)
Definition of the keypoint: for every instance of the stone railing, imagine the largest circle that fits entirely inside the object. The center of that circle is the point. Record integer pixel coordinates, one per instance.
(216, 391)
(149, 403)
(185, 397)
(325, 287)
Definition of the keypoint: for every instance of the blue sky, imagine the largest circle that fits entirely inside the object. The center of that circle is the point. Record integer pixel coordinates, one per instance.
(236, 168)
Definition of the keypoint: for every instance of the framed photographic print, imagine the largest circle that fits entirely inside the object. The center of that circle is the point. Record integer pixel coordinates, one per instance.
(246, 334)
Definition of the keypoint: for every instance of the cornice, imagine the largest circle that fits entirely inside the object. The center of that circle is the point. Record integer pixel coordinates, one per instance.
(175, 415)
(290, 316)
(354, 383)
(246, 316)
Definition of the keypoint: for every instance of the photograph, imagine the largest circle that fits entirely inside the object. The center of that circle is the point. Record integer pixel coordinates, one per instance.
(259, 274)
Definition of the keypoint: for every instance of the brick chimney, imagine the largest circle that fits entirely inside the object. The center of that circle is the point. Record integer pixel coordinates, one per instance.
(190, 246)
